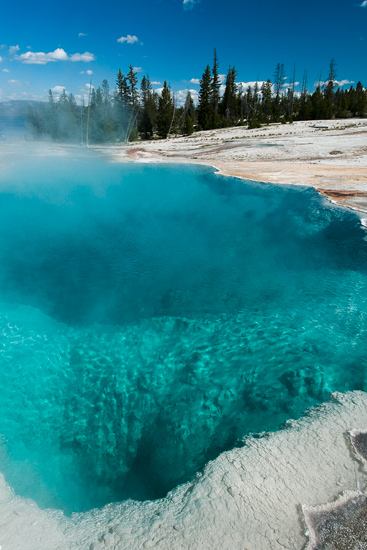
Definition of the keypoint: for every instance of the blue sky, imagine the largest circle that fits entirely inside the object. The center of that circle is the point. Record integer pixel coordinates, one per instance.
(47, 45)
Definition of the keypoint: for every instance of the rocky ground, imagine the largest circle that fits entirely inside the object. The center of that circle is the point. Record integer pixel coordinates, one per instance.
(328, 155)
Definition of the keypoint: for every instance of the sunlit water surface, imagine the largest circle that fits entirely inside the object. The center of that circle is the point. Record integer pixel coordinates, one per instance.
(152, 316)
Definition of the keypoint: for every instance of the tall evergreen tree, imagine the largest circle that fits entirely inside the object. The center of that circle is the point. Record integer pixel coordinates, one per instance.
(165, 112)
(205, 107)
(360, 103)
(133, 88)
(189, 115)
(148, 109)
(329, 108)
(229, 103)
(215, 93)
(266, 101)
(278, 84)
(105, 91)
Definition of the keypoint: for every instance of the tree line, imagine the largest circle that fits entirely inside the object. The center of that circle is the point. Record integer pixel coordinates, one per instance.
(131, 112)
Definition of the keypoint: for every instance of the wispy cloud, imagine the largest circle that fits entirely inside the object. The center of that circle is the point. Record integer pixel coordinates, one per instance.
(188, 4)
(82, 34)
(129, 39)
(156, 83)
(363, 5)
(6, 71)
(336, 82)
(1, 59)
(86, 57)
(137, 69)
(89, 72)
(13, 50)
(195, 81)
(15, 82)
(41, 58)
(343, 82)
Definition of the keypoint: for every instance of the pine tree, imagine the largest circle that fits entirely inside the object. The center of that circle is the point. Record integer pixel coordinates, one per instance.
(148, 110)
(329, 107)
(266, 101)
(189, 109)
(133, 89)
(105, 91)
(122, 106)
(188, 115)
(304, 104)
(317, 104)
(205, 107)
(278, 83)
(165, 112)
(215, 95)
(360, 101)
(51, 129)
(229, 103)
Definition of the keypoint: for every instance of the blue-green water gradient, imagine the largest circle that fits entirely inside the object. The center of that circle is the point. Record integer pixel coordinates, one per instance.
(152, 316)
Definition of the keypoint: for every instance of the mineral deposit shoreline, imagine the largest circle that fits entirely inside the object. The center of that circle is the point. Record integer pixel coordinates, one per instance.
(330, 156)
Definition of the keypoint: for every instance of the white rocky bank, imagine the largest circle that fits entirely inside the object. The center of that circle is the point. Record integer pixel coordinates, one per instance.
(247, 499)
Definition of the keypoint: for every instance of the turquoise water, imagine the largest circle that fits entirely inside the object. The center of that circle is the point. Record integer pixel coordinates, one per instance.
(152, 316)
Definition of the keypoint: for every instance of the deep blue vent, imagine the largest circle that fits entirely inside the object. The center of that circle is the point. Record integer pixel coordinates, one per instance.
(151, 316)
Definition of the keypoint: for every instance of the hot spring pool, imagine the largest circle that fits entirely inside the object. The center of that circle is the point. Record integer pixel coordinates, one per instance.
(152, 316)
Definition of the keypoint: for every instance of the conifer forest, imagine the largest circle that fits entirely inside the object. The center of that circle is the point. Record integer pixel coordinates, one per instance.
(131, 111)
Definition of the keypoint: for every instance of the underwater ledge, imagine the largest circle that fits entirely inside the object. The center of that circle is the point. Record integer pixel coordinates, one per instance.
(248, 498)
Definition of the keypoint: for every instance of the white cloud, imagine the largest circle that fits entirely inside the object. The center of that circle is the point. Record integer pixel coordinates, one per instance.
(195, 81)
(1, 59)
(57, 90)
(336, 82)
(128, 39)
(82, 34)
(41, 58)
(13, 50)
(6, 71)
(86, 57)
(14, 82)
(89, 72)
(137, 69)
(343, 82)
(180, 96)
(28, 47)
(363, 5)
(156, 83)
(252, 83)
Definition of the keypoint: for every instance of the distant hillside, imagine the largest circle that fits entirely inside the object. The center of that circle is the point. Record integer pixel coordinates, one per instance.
(16, 107)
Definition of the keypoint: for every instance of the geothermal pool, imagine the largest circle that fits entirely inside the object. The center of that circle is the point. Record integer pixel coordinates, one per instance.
(153, 316)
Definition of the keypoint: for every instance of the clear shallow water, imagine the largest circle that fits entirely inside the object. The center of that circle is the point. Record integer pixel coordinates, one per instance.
(152, 316)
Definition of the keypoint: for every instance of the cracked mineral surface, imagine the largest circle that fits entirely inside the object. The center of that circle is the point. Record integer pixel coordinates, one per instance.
(249, 497)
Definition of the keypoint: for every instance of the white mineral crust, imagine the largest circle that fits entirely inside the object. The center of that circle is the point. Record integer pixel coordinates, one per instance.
(249, 498)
